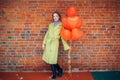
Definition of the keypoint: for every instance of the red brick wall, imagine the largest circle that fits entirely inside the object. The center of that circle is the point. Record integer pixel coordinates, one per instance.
(23, 25)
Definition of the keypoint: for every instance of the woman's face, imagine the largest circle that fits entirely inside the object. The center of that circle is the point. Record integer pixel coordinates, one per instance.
(55, 17)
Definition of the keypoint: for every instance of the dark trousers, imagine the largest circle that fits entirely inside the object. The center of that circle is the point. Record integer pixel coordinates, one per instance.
(56, 68)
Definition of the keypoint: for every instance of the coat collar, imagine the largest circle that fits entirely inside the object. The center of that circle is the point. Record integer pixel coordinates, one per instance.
(57, 26)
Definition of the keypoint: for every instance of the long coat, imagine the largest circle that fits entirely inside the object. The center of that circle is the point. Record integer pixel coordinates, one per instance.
(51, 42)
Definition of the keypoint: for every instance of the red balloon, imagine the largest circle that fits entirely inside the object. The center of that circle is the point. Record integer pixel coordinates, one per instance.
(74, 22)
(71, 11)
(79, 23)
(71, 25)
(66, 24)
(76, 34)
(66, 34)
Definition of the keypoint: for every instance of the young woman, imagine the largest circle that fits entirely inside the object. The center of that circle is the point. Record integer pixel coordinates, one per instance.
(51, 44)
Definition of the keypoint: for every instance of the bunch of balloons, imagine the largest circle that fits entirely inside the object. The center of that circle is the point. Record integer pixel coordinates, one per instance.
(72, 24)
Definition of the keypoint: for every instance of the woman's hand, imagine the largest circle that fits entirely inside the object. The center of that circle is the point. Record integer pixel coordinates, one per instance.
(69, 50)
(43, 46)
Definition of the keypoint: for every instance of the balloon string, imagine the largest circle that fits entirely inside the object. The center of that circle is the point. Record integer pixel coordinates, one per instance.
(69, 58)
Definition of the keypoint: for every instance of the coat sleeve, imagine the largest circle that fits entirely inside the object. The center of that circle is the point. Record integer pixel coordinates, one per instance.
(65, 44)
(45, 38)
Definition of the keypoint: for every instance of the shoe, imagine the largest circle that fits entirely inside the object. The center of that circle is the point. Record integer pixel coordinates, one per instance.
(53, 77)
(60, 70)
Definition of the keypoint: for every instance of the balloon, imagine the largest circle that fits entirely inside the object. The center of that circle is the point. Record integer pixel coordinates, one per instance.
(71, 25)
(66, 34)
(66, 24)
(71, 11)
(76, 34)
(79, 23)
(74, 22)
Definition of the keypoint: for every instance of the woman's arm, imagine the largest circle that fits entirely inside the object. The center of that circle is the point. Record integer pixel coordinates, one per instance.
(65, 44)
(45, 39)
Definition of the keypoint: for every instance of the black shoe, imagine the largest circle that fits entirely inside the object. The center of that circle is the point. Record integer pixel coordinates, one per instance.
(60, 70)
(53, 72)
(53, 77)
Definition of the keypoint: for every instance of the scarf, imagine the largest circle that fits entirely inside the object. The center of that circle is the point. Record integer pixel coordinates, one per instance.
(56, 23)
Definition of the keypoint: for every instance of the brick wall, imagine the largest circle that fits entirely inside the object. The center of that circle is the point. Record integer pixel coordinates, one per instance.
(23, 24)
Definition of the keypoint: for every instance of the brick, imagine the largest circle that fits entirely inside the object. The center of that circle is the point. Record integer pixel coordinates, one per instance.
(23, 25)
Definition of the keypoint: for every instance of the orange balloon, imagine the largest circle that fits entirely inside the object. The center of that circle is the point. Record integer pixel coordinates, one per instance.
(66, 34)
(71, 11)
(79, 23)
(66, 24)
(74, 22)
(76, 34)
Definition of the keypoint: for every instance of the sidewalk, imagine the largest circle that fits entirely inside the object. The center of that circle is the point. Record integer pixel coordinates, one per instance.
(44, 76)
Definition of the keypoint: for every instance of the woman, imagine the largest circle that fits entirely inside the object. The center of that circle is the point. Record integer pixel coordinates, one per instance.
(51, 44)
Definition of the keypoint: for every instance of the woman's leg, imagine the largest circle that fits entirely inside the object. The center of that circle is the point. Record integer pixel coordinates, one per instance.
(60, 70)
(53, 72)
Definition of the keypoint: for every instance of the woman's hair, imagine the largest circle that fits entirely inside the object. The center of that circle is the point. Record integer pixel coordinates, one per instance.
(58, 15)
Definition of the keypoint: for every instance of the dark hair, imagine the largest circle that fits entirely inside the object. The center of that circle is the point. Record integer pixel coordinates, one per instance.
(58, 15)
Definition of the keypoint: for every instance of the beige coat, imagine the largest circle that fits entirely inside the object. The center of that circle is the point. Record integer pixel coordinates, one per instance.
(51, 42)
